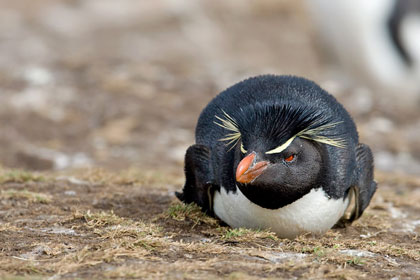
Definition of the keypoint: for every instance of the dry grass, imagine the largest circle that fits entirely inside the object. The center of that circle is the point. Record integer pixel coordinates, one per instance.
(126, 177)
(181, 212)
(125, 228)
(243, 234)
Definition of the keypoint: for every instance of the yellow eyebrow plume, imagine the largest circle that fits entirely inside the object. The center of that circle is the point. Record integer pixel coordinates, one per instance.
(282, 147)
(229, 124)
(314, 135)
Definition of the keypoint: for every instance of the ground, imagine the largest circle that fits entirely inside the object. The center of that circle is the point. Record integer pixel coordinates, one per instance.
(98, 103)
(129, 225)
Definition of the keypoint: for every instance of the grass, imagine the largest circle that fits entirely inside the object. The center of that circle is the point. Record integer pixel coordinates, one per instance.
(191, 212)
(243, 234)
(235, 232)
(319, 251)
(101, 219)
(17, 277)
(19, 176)
(25, 194)
(112, 230)
(127, 233)
(130, 176)
(356, 261)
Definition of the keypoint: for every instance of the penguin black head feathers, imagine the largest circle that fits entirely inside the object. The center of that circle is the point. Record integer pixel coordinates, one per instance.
(283, 124)
(277, 152)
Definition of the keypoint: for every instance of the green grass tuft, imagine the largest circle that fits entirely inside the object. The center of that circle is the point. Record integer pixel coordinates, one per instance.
(356, 261)
(19, 176)
(319, 251)
(235, 232)
(25, 194)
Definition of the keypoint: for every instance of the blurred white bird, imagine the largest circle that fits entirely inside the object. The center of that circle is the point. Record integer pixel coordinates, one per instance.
(378, 41)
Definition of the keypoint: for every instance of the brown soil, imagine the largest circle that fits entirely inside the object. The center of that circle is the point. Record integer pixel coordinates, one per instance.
(104, 225)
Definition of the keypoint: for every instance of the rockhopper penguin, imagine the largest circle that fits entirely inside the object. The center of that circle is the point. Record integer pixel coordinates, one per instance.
(278, 153)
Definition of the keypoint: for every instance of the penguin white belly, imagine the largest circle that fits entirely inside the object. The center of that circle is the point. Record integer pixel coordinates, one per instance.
(314, 212)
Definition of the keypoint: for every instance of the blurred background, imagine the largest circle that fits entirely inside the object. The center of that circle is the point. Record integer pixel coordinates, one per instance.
(120, 84)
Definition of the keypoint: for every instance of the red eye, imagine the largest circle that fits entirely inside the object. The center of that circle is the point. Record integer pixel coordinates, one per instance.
(289, 158)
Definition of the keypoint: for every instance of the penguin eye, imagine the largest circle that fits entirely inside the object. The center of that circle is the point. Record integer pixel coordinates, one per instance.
(243, 149)
(289, 158)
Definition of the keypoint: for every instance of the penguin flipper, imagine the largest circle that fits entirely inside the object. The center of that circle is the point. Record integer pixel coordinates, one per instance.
(365, 186)
(200, 183)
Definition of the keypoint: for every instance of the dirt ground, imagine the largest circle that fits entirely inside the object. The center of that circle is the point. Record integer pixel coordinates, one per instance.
(98, 103)
(105, 225)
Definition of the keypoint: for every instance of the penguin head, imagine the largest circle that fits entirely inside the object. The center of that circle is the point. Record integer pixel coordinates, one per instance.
(280, 151)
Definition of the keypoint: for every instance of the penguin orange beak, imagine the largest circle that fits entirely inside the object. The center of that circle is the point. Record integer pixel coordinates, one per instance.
(247, 171)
